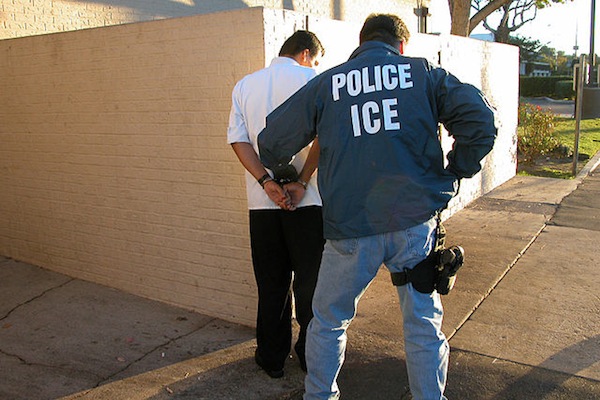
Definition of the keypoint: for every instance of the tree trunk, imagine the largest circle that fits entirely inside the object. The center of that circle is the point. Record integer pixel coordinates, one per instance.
(502, 33)
(459, 11)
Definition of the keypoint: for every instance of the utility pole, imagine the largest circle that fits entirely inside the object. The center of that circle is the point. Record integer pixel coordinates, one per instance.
(578, 112)
(592, 56)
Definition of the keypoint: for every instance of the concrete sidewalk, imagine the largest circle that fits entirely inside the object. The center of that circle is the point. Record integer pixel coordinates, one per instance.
(523, 320)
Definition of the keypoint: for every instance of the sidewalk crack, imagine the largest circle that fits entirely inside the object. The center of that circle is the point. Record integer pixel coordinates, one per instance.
(497, 282)
(22, 360)
(147, 354)
(42, 294)
(41, 365)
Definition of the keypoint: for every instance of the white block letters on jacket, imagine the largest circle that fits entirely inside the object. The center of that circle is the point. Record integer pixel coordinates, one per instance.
(371, 116)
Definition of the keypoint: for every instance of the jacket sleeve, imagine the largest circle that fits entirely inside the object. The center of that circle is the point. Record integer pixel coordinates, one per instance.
(469, 118)
(290, 127)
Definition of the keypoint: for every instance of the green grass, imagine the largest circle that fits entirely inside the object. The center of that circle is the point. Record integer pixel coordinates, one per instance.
(549, 172)
(589, 139)
(589, 145)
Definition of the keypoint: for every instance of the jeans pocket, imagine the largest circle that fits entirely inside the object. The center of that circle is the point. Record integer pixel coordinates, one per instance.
(420, 238)
(343, 246)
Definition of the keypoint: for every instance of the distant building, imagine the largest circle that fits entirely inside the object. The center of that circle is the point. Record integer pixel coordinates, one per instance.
(535, 68)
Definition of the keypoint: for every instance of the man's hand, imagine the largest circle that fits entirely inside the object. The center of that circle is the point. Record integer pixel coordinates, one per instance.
(278, 195)
(296, 193)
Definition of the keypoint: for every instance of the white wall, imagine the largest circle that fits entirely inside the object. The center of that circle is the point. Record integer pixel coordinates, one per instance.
(114, 166)
(20, 18)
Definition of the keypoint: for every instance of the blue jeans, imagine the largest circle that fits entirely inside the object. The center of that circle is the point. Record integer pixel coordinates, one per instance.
(347, 268)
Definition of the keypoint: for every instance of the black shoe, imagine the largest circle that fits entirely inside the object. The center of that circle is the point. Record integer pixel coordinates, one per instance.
(273, 373)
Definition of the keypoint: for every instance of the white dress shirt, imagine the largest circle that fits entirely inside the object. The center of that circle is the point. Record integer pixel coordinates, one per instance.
(253, 98)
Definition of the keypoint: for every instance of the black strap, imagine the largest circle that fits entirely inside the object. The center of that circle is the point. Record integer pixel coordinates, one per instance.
(400, 278)
(424, 274)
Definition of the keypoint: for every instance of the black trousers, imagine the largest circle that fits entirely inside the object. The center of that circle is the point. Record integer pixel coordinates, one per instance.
(283, 242)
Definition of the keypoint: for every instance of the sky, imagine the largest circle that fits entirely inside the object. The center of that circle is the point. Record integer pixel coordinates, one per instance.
(562, 25)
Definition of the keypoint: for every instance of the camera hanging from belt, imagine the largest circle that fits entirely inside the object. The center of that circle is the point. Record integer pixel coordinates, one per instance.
(438, 270)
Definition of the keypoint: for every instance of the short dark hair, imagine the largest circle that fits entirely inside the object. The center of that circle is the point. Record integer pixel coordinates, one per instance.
(300, 41)
(387, 28)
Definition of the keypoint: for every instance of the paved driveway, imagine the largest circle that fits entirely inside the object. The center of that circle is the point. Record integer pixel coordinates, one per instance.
(562, 108)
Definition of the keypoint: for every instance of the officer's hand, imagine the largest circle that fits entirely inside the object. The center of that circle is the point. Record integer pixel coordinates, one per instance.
(296, 192)
(278, 195)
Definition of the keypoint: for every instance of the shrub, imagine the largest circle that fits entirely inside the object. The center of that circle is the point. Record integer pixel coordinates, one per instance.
(564, 90)
(538, 86)
(536, 132)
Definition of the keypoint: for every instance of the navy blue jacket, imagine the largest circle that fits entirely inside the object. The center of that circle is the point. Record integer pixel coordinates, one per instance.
(381, 166)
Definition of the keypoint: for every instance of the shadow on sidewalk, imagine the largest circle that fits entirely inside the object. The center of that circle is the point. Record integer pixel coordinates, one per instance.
(60, 335)
(359, 377)
(586, 352)
(478, 377)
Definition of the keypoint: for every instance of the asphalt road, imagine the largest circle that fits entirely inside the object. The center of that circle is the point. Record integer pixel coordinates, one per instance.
(563, 108)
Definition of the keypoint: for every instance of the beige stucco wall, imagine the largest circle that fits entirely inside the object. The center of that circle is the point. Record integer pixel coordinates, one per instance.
(114, 166)
(33, 17)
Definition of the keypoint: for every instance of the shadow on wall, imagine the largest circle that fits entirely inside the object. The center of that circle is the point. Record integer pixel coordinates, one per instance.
(181, 8)
(170, 8)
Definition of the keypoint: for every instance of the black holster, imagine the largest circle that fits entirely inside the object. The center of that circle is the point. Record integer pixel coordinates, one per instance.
(422, 276)
(437, 271)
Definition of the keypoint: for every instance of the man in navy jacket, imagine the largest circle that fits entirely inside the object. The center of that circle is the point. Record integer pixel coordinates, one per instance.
(382, 179)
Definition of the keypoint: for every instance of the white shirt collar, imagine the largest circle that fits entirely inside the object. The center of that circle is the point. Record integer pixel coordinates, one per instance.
(284, 60)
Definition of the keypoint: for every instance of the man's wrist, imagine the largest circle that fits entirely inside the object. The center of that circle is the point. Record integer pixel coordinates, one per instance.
(304, 184)
(264, 179)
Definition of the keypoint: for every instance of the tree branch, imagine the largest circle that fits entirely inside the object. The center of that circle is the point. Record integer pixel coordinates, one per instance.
(485, 12)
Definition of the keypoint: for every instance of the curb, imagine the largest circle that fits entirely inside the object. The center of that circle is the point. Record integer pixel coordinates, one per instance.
(549, 100)
(589, 167)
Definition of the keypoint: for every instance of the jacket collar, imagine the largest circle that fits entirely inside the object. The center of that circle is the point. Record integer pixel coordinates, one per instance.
(374, 45)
